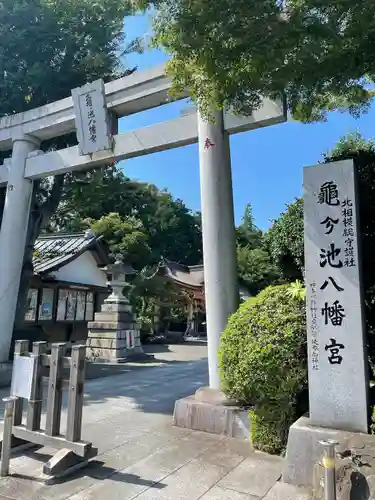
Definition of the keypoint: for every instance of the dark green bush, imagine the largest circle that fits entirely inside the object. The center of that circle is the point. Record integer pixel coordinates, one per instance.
(372, 425)
(265, 431)
(263, 362)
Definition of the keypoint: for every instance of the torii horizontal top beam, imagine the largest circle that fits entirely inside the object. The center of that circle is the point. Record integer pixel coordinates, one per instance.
(130, 94)
(159, 137)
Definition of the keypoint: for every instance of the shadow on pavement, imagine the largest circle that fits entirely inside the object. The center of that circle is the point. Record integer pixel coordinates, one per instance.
(151, 391)
(95, 469)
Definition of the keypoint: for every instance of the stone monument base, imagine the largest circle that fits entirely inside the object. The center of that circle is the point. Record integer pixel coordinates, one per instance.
(141, 356)
(114, 335)
(355, 462)
(111, 342)
(210, 411)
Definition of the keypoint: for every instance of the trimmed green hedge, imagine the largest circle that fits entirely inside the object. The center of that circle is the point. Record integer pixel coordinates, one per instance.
(263, 362)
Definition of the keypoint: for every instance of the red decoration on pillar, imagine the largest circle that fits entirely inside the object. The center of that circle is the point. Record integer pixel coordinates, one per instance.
(208, 144)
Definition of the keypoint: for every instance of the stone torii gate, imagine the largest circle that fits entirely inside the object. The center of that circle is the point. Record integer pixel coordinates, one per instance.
(23, 133)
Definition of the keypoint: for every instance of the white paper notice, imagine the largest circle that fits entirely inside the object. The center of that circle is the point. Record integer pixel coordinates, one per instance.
(22, 377)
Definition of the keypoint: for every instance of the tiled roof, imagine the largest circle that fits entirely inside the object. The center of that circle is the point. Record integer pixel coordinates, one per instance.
(56, 250)
(194, 276)
(187, 275)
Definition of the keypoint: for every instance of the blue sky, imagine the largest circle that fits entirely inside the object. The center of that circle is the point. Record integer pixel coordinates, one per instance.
(266, 163)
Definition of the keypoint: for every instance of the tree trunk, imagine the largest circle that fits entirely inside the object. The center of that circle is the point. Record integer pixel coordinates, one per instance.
(38, 219)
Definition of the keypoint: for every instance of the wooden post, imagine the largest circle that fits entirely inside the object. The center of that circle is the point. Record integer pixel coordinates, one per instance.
(21, 347)
(34, 409)
(54, 391)
(7, 435)
(75, 399)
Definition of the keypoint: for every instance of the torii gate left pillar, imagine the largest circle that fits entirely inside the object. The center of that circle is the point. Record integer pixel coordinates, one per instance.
(13, 235)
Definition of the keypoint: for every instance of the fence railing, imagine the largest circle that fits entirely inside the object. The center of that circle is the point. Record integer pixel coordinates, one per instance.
(55, 372)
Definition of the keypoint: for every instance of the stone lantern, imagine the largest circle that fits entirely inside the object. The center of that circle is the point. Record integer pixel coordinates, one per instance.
(117, 273)
(114, 335)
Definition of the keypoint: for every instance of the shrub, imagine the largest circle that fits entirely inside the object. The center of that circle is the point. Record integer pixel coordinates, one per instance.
(263, 362)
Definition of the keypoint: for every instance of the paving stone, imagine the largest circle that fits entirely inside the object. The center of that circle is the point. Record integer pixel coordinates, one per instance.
(217, 493)
(228, 452)
(152, 468)
(190, 482)
(199, 437)
(283, 491)
(121, 486)
(107, 438)
(137, 449)
(168, 430)
(175, 455)
(24, 486)
(142, 456)
(127, 483)
(255, 475)
(31, 462)
(11, 488)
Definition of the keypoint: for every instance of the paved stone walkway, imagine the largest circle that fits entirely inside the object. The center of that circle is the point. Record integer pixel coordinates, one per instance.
(128, 417)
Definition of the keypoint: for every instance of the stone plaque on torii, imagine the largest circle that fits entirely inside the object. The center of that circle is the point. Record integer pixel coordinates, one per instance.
(23, 133)
(94, 124)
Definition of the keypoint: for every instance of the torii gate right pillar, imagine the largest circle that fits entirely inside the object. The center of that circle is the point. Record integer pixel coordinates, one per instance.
(219, 238)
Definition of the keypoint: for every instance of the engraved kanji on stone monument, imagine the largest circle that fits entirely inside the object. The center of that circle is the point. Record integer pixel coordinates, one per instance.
(336, 350)
(92, 118)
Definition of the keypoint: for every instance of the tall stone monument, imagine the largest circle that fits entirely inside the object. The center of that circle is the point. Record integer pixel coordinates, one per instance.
(114, 335)
(337, 363)
(338, 383)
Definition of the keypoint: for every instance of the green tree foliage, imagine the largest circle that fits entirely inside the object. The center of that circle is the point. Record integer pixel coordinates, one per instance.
(284, 241)
(255, 268)
(124, 236)
(171, 229)
(231, 52)
(138, 221)
(263, 362)
(248, 234)
(285, 238)
(48, 47)
(297, 290)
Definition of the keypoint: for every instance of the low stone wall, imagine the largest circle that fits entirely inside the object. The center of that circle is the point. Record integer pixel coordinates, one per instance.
(209, 411)
(355, 461)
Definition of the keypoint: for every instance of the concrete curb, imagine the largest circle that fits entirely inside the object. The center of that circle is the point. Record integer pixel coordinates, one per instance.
(213, 417)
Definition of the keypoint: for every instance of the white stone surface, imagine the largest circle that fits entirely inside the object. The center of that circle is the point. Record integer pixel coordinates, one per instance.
(219, 240)
(92, 118)
(13, 237)
(269, 113)
(337, 375)
(175, 133)
(159, 137)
